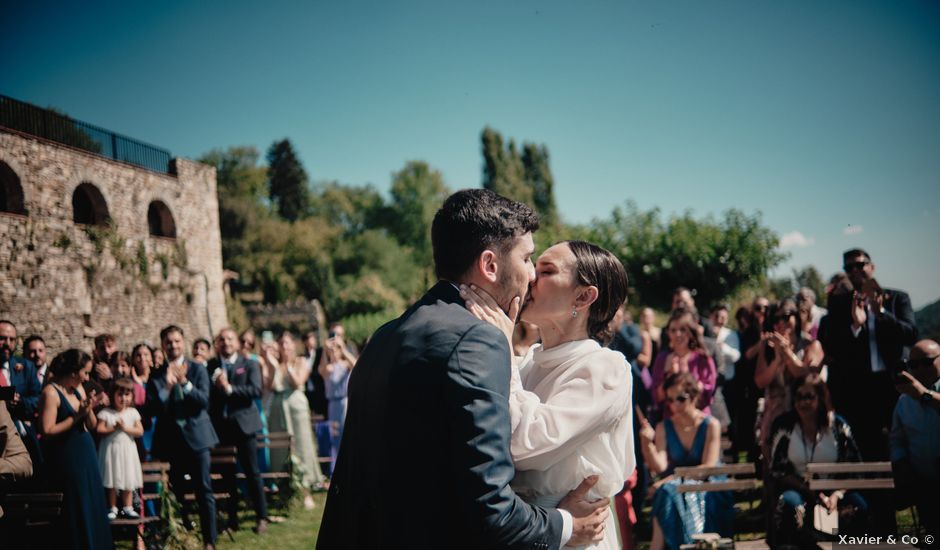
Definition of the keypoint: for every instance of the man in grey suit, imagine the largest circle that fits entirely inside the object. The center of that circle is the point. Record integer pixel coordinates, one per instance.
(178, 395)
(429, 399)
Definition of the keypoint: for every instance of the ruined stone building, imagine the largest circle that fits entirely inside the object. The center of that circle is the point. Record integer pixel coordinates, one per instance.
(102, 233)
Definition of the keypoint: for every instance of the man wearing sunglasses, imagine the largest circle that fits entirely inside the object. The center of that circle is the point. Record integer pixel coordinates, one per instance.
(915, 432)
(868, 333)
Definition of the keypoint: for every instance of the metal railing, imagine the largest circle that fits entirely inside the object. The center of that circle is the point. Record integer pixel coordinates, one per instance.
(48, 124)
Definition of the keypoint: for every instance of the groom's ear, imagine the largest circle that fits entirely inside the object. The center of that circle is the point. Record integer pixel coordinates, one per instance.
(487, 266)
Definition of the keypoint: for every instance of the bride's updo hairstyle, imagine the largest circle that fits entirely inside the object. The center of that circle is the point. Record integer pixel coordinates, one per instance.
(598, 267)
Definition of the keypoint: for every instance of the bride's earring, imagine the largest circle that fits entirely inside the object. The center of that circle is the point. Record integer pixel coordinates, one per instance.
(574, 312)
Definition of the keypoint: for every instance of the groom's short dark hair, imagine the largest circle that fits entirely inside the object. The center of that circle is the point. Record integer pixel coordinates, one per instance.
(471, 221)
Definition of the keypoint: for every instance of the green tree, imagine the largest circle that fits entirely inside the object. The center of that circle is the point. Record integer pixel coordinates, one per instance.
(503, 171)
(525, 177)
(810, 277)
(538, 175)
(351, 208)
(417, 194)
(287, 181)
(241, 186)
(713, 257)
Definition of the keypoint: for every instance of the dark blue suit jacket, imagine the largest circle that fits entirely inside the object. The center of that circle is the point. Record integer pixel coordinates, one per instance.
(430, 395)
(196, 432)
(23, 378)
(240, 405)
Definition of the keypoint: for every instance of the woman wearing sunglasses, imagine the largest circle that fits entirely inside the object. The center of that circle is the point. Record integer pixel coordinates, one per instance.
(688, 437)
(811, 432)
(785, 355)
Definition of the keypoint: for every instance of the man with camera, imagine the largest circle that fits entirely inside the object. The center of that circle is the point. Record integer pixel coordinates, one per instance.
(915, 432)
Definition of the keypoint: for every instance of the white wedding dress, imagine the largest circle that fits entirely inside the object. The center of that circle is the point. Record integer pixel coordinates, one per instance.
(572, 416)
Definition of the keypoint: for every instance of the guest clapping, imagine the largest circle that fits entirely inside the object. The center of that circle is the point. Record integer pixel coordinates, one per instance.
(290, 411)
(118, 460)
(785, 356)
(686, 353)
(66, 417)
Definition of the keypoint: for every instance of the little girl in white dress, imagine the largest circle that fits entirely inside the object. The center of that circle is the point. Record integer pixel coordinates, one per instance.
(117, 454)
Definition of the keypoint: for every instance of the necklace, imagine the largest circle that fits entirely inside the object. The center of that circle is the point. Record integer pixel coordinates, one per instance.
(684, 428)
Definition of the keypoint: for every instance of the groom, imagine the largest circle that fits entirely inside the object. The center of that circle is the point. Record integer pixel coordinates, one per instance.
(424, 461)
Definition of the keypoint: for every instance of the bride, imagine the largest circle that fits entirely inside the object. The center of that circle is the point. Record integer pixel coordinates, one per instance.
(569, 397)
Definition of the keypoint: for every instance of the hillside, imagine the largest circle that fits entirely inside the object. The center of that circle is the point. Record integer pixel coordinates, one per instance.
(928, 321)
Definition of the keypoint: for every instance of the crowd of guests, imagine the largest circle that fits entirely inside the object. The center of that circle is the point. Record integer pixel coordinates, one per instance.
(786, 384)
(789, 383)
(82, 424)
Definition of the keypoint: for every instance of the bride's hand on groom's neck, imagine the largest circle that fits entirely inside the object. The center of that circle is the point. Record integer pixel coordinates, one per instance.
(589, 517)
(483, 306)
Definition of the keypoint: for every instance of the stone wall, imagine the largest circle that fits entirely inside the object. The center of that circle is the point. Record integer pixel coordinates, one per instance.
(70, 282)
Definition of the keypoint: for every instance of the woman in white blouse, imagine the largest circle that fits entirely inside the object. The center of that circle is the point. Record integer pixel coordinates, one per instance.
(570, 398)
(811, 432)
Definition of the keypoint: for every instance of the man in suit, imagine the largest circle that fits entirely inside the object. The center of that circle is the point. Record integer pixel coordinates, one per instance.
(34, 347)
(178, 395)
(866, 336)
(236, 385)
(20, 373)
(431, 389)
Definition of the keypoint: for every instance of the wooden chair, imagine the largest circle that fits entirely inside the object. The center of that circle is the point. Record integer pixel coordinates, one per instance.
(28, 517)
(280, 477)
(31, 510)
(156, 478)
(220, 459)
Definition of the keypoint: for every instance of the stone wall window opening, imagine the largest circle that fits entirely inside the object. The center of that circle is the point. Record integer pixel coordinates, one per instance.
(89, 206)
(11, 192)
(160, 220)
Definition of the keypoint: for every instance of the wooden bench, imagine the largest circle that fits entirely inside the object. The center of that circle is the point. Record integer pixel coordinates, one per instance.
(879, 476)
(276, 440)
(740, 478)
(31, 510)
(27, 518)
(220, 459)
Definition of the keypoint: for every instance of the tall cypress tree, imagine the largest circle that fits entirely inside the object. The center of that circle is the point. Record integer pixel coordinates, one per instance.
(287, 181)
(503, 172)
(538, 175)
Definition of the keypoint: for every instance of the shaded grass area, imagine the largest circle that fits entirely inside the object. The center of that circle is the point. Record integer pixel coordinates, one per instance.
(298, 531)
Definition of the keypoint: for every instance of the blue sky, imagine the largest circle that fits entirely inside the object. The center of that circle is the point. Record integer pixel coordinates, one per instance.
(824, 116)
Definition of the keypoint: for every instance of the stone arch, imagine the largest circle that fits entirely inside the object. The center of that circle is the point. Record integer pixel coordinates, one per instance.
(11, 191)
(89, 206)
(160, 220)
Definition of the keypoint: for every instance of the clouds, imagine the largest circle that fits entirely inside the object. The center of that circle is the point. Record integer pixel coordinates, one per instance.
(853, 230)
(795, 239)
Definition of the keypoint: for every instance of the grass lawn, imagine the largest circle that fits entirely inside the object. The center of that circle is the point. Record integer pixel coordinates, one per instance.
(298, 531)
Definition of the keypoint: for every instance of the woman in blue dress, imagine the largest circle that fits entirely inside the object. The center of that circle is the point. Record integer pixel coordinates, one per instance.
(66, 417)
(336, 364)
(688, 438)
